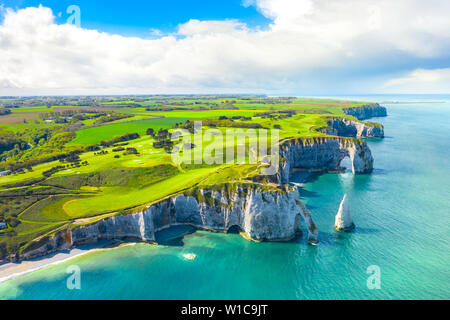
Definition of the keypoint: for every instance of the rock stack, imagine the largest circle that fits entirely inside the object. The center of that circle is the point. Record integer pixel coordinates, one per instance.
(344, 221)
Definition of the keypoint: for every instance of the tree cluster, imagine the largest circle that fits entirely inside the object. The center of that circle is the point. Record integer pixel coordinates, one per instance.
(162, 140)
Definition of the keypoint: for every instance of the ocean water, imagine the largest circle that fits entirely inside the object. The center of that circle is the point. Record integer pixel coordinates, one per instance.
(402, 213)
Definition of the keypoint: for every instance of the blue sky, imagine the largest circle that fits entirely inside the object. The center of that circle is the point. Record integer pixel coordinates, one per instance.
(285, 47)
(137, 17)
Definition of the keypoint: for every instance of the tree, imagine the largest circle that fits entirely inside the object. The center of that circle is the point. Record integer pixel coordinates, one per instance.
(3, 250)
(163, 133)
(168, 148)
(151, 132)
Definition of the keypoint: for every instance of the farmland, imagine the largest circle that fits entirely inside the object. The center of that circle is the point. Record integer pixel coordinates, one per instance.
(61, 163)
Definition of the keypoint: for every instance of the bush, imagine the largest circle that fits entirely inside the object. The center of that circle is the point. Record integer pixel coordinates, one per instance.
(53, 170)
(13, 222)
(92, 148)
(121, 144)
(125, 137)
(162, 144)
(130, 151)
(112, 117)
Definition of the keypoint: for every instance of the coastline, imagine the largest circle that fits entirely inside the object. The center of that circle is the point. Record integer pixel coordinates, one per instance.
(383, 222)
(12, 270)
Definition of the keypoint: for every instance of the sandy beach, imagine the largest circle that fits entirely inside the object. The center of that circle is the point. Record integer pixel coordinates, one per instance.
(12, 270)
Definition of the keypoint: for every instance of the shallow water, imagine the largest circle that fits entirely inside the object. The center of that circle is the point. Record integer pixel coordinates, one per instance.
(402, 213)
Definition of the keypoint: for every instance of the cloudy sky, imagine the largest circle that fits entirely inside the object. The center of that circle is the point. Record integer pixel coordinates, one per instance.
(285, 47)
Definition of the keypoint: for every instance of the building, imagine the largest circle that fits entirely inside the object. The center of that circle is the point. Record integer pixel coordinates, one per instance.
(4, 173)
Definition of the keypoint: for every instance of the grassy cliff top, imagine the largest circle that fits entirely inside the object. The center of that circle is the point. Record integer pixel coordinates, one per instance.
(70, 161)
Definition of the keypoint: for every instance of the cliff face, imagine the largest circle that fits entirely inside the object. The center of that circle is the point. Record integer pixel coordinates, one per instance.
(262, 214)
(323, 154)
(348, 128)
(366, 111)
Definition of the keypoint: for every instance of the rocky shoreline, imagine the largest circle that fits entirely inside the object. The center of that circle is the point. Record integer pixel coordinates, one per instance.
(365, 112)
(12, 270)
(323, 154)
(348, 128)
(261, 212)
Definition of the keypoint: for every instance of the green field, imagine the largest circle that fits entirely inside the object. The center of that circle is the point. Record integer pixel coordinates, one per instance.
(122, 176)
(96, 134)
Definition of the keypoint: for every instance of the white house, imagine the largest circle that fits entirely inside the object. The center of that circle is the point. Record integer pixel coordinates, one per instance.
(4, 173)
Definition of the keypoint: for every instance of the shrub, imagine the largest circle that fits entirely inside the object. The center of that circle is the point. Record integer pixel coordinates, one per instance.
(13, 222)
(130, 151)
(125, 137)
(53, 170)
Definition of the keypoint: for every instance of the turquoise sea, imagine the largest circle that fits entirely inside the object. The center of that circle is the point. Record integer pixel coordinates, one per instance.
(402, 213)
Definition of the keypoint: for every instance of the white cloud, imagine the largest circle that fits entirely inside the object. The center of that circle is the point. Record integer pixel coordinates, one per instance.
(311, 46)
(421, 81)
(414, 26)
(285, 13)
(156, 32)
(197, 27)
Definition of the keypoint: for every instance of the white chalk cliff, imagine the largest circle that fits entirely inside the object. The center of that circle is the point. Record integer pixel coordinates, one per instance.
(344, 220)
(260, 211)
(366, 111)
(344, 127)
(323, 154)
(262, 214)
